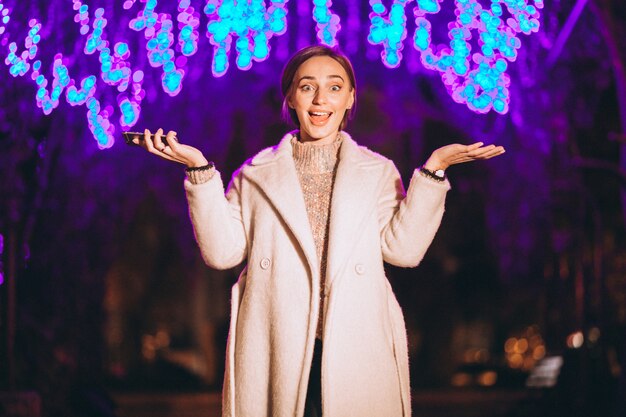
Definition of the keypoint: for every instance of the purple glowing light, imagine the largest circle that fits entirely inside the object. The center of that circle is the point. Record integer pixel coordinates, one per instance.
(138, 76)
(477, 79)
(326, 21)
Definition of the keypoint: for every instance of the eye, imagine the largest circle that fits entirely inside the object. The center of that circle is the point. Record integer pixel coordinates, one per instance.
(335, 88)
(306, 87)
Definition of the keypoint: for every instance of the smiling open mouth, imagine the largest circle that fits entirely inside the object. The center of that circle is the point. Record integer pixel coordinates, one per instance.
(319, 117)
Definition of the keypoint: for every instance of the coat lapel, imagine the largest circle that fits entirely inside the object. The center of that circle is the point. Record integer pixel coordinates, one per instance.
(274, 172)
(354, 198)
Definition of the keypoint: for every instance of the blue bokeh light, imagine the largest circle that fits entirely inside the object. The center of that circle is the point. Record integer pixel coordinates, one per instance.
(251, 23)
(476, 78)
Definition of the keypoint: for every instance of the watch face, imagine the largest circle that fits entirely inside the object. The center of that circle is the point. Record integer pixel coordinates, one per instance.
(440, 173)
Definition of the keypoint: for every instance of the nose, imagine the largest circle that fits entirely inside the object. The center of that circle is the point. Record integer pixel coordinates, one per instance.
(320, 97)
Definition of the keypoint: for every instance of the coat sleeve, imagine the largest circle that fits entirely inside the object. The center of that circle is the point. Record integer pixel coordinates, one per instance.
(409, 221)
(217, 221)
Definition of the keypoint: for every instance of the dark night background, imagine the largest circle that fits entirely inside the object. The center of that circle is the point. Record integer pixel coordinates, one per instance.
(108, 310)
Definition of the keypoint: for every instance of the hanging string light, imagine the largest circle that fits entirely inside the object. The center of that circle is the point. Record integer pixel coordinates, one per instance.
(251, 23)
(157, 29)
(477, 79)
(326, 21)
(388, 31)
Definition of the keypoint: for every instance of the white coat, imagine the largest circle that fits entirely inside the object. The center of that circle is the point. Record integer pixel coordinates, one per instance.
(275, 302)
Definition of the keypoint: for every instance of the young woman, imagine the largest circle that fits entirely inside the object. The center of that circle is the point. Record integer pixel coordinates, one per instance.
(314, 322)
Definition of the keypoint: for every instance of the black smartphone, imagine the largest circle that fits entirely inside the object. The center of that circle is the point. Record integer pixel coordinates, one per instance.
(129, 136)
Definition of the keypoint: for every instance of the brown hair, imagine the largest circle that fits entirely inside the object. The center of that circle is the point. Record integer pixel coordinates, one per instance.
(289, 72)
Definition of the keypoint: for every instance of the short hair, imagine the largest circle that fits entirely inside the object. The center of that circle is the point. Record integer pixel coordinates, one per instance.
(299, 58)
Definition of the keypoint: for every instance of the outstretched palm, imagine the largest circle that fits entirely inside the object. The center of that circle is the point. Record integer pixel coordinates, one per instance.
(173, 151)
(456, 153)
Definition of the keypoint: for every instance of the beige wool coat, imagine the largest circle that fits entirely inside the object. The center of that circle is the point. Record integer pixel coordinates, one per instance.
(262, 219)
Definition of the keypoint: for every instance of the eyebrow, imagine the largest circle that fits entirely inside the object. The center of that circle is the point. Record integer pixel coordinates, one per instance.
(309, 77)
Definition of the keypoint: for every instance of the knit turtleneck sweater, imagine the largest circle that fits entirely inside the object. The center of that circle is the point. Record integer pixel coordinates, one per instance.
(316, 166)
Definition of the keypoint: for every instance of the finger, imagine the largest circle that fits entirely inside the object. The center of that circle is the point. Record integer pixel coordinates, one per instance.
(168, 157)
(158, 142)
(494, 153)
(489, 151)
(475, 145)
(485, 155)
(168, 154)
(170, 138)
(173, 148)
(461, 160)
(147, 141)
(171, 154)
(136, 139)
(478, 153)
(483, 148)
(175, 145)
(469, 150)
(465, 158)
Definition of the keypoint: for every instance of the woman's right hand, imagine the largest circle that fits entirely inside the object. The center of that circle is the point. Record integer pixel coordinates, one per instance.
(173, 151)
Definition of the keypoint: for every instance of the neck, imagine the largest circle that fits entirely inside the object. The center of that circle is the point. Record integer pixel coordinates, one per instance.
(304, 138)
(313, 158)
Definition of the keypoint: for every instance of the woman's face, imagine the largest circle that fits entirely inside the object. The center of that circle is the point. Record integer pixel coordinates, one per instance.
(321, 95)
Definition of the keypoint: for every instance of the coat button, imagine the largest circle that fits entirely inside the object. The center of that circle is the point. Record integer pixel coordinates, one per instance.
(359, 268)
(265, 263)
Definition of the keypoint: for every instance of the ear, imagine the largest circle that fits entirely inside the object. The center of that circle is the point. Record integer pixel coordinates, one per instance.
(351, 101)
(289, 97)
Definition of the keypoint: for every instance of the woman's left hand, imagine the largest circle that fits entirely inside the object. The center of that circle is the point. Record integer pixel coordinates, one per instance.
(456, 153)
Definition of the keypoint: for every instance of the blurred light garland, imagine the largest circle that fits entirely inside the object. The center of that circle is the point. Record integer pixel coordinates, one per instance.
(478, 80)
(114, 71)
(157, 28)
(390, 31)
(327, 22)
(250, 22)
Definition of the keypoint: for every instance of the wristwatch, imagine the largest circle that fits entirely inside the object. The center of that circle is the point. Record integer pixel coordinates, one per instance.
(438, 175)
